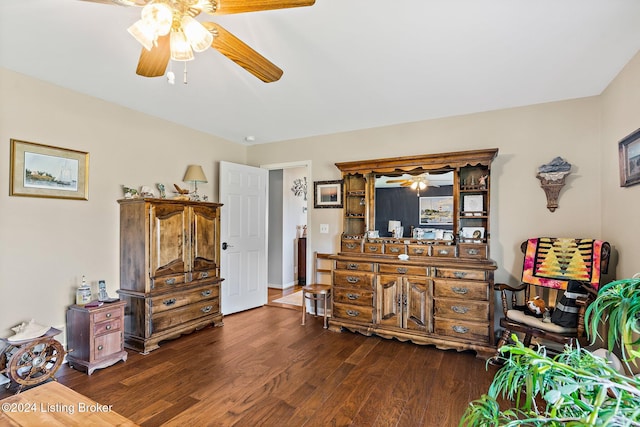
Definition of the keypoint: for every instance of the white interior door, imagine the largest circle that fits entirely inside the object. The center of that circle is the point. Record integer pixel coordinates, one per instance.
(243, 236)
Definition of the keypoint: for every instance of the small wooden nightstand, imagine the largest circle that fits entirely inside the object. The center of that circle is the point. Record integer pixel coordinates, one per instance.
(95, 336)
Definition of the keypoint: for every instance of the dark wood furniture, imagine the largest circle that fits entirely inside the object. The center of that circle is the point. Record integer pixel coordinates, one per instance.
(442, 293)
(169, 269)
(95, 336)
(302, 261)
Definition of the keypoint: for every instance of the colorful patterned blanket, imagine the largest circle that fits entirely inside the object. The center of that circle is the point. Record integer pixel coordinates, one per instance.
(552, 262)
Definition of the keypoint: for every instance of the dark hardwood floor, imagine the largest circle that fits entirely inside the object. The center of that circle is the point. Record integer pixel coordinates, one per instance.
(263, 368)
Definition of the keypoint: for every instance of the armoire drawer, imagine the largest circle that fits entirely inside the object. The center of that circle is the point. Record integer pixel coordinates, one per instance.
(179, 299)
(179, 316)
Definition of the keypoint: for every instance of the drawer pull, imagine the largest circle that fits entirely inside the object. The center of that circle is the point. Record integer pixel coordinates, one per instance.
(352, 279)
(352, 297)
(351, 245)
(352, 266)
(204, 275)
(206, 293)
(473, 251)
(373, 248)
(100, 347)
(419, 251)
(171, 281)
(169, 302)
(459, 274)
(353, 313)
(461, 291)
(402, 270)
(394, 250)
(443, 252)
(108, 315)
(458, 309)
(206, 309)
(108, 327)
(460, 329)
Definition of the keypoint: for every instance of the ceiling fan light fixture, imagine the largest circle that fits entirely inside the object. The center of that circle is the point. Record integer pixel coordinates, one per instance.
(143, 33)
(180, 47)
(199, 37)
(159, 16)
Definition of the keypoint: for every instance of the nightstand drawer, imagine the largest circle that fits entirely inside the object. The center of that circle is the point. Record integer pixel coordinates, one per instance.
(103, 315)
(108, 326)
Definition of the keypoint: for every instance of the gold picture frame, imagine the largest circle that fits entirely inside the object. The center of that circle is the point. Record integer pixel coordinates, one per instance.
(629, 153)
(39, 170)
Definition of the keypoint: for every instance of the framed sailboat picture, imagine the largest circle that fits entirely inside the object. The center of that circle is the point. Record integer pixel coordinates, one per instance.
(45, 171)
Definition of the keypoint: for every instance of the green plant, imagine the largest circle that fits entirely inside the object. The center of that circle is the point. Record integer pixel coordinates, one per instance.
(573, 388)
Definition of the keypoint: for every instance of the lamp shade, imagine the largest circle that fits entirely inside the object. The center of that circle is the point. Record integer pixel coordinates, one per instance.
(194, 174)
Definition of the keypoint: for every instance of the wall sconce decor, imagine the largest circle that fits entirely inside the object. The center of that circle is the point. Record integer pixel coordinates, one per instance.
(300, 187)
(552, 176)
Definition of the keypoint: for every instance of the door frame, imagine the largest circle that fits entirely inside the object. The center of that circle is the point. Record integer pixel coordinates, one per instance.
(289, 165)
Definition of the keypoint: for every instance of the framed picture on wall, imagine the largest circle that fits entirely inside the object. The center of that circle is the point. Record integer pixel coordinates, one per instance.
(436, 210)
(327, 194)
(45, 171)
(629, 153)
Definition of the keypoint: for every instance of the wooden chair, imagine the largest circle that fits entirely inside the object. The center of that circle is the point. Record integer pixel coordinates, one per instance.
(549, 266)
(317, 291)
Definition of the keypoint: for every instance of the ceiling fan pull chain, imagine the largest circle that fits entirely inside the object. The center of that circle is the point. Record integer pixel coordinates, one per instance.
(185, 72)
(171, 77)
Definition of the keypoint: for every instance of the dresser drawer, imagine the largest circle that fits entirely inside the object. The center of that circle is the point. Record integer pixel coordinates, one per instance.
(102, 315)
(353, 279)
(353, 296)
(468, 290)
(203, 274)
(471, 250)
(180, 299)
(447, 251)
(351, 245)
(394, 249)
(373, 248)
(461, 273)
(418, 250)
(163, 283)
(469, 331)
(107, 326)
(355, 313)
(106, 345)
(464, 309)
(402, 269)
(354, 266)
(181, 315)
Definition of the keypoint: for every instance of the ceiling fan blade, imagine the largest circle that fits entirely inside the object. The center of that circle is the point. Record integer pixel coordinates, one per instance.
(153, 63)
(226, 7)
(395, 180)
(240, 53)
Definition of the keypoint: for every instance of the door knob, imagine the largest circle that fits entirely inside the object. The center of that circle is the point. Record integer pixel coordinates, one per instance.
(225, 245)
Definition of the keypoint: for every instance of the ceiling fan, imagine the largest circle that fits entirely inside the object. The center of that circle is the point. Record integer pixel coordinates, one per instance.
(168, 30)
(418, 182)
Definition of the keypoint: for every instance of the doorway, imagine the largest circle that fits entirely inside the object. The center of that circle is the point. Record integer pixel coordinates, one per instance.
(289, 192)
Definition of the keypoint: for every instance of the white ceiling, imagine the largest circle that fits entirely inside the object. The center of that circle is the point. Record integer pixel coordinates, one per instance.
(348, 64)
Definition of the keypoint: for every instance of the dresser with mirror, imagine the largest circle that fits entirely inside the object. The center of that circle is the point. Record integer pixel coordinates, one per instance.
(414, 260)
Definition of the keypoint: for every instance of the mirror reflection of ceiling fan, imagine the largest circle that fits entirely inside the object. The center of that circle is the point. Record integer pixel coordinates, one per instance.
(168, 30)
(418, 182)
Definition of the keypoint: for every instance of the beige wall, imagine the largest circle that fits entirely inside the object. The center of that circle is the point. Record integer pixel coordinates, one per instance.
(46, 245)
(526, 138)
(621, 205)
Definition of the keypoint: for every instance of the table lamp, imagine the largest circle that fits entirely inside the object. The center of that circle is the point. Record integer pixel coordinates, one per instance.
(194, 174)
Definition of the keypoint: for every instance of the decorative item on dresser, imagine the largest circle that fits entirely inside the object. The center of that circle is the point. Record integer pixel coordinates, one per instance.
(95, 336)
(434, 287)
(169, 269)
